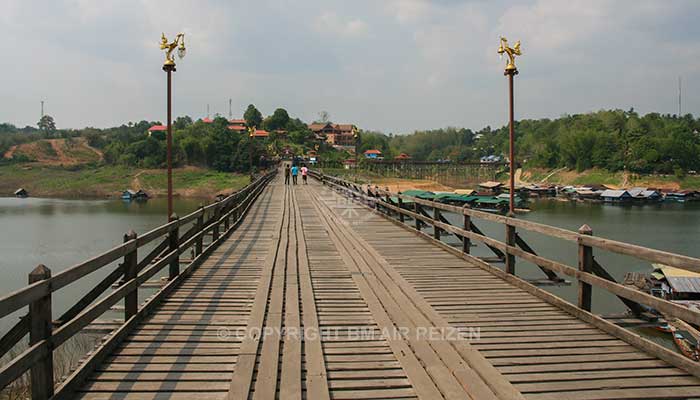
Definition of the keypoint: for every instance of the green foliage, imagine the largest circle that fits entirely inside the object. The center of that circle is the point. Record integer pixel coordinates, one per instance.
(47, 125)
(253, 117)
(278, 120)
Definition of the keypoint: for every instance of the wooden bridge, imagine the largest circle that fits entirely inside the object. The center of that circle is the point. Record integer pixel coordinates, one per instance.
(328, 291)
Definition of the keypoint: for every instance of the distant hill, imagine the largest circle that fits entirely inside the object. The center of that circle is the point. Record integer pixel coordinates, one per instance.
(71, 151)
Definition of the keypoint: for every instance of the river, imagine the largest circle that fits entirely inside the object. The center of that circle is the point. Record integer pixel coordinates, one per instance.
(60, 233)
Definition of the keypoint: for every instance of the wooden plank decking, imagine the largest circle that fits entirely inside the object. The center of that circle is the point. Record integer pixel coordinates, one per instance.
(314, 297)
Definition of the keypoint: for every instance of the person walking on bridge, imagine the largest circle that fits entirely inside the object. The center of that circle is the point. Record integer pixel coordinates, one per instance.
(304, 172)
(286, 174)
(295, 172)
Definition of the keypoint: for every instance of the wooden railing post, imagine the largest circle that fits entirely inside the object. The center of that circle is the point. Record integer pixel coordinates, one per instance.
(173, 239)
(227, 219)
(417, 212)
(510, 241)
(40, 329)
(217, 215)
(199, 244)
(401, 216)
(387, 198)
(466, 242)
(131, 300)
(585, 264)
(436, 218)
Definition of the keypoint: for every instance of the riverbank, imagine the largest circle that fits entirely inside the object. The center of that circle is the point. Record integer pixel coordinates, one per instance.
(613, 180)
(106, 181)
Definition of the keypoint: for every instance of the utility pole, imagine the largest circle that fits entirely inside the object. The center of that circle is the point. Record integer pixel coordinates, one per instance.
(42, 109)
(679, 97)
(207, 110)
(230, 113)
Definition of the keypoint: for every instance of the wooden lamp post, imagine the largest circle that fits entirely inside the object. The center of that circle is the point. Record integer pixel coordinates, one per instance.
(169, 68)
(510, 72)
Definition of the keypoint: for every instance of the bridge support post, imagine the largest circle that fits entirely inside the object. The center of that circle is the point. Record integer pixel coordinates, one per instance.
(131, 300)
(173, 239)
(585, 264)
(436, 218)
(40, 325)
(199, 245)
(401, 216)
(510, 241)
(466, 242)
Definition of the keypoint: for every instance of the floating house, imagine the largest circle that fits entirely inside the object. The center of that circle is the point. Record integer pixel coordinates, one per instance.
(676, 283)
(616, 196)
(21, 193)
(492, 186)
(134, 195)
(682, 196)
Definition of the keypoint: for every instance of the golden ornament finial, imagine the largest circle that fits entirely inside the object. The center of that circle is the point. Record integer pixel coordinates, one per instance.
(178, 43)
(251, 131)
(511, 52)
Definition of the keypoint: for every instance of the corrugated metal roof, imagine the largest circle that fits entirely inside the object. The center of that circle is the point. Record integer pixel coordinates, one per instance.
(680, 280)
(614, 193)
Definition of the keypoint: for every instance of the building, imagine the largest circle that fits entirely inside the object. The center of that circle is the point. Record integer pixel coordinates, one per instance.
(157, 131)
(261, 133)
(491, 187)
(616, 196)
(21, 193)
(134, 195)
(237, 125)
(373, 154)
(207, 120)
(334, 134)
(402, 157)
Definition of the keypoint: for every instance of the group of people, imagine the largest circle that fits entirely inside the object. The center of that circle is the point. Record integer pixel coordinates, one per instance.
(294, 172)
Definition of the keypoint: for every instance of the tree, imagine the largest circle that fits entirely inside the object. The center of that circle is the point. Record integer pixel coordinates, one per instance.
(47, 125)
(278, 120)
(253, 117)
(182, 122)
(323, 117)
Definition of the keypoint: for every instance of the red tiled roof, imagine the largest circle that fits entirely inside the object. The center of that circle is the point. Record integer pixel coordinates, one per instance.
(237, 121)
(261, 133)
(403, 156)
(206, 120)
(157, 128)
(373, 151)
(238, 128)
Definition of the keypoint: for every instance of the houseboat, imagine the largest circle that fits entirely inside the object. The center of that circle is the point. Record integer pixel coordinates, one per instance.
(682, 196)
(138, 195)
(616, 196)
(644, 195)
(21, 193)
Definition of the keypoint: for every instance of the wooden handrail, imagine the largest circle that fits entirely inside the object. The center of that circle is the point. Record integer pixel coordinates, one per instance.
(83, 312)
(664, 306)
(648, 254)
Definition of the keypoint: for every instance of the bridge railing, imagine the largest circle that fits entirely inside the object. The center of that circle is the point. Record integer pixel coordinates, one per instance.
(214, 221)
(589, 273)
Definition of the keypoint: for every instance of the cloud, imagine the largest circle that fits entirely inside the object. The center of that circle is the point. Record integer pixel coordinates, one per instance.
(395, 65)
(330, 22)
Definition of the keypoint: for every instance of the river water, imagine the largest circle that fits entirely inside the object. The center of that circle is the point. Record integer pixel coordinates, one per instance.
(60, 233)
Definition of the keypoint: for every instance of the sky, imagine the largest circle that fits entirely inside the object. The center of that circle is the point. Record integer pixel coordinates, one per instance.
(390, 65)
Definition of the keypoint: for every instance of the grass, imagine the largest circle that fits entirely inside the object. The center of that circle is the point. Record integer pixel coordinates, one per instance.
(108, 181)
